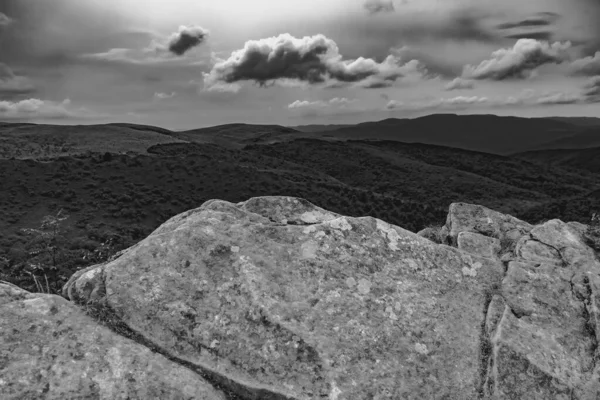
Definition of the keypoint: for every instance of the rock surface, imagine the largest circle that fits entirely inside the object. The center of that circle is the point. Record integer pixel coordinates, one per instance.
(275, 298)
(50, 349)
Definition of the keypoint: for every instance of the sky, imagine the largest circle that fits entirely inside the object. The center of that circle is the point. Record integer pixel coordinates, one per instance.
(184, 64)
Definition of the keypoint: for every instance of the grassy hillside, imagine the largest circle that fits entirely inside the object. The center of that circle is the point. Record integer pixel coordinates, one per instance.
(119, 183)
(44, 141)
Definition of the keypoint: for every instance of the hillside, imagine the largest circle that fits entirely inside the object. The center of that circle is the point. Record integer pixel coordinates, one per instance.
(236, 136)
(43, 141)
(587, 159)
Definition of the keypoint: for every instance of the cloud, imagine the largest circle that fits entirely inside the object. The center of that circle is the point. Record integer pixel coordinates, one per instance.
(561, 98)
(33, 109)
(442, 103)
(379, 6)
(539, 19)
(5, 19)
(14, 84)
(587, 66)
(159, 51)
(339, 102)
(537, 35)
(460, 84)
(312, 59)
(164, 96)
(186, 39)
(519, 61)
(591, 90)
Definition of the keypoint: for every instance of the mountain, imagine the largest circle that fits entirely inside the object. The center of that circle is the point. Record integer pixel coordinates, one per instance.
(487, 133)
(236, 136)
(318, 128)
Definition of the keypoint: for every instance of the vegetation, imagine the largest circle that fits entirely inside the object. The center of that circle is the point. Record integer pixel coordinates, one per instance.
(114, 200)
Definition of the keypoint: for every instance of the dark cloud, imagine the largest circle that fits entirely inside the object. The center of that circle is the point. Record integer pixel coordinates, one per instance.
(186, 39)
(539, 35)
(379, 6)
(312, 59)
(519, 61)
(540, 19)
(10, 83)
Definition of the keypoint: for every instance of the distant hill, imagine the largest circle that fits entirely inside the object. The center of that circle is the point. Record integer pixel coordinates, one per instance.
(49, 141)
(487, 133)
(588, 159)
(318, 128)
(236, 136)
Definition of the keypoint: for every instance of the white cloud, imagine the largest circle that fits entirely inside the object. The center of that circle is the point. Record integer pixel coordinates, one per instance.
(460, 84)
(32, 109)
(337, 102)
(164, 96)
(519, 61)
(587, 65)
(5, 20)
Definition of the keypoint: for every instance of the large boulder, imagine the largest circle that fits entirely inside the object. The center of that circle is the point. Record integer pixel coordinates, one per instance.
(275, 298)
(50, 349)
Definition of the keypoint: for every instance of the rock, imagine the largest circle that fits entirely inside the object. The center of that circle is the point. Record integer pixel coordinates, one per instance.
(276, 298)
(463, 217)
(50, 349)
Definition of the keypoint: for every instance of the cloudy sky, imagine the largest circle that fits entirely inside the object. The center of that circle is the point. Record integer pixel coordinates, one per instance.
(186, 63)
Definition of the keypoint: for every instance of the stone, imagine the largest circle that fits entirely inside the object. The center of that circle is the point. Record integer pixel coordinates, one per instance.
(50, 349)
(311, 305)
(463, 217)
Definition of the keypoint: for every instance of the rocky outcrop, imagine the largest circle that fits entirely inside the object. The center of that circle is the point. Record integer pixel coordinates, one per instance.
(275, 298)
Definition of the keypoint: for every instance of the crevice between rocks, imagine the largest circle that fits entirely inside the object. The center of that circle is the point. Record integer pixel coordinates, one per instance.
(485, 348)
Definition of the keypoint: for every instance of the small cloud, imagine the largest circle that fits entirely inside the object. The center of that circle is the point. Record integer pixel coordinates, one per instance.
(561, 98)
(442, 103)
(164, 96)
(591, 90)
(10, 83)
(159, 51)
(33, 109)
(5, 20)
(311, 59)
(587, 66)
(337, 102)
(186, 38)
(519, 61)
(379, 6)
(460, 84)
